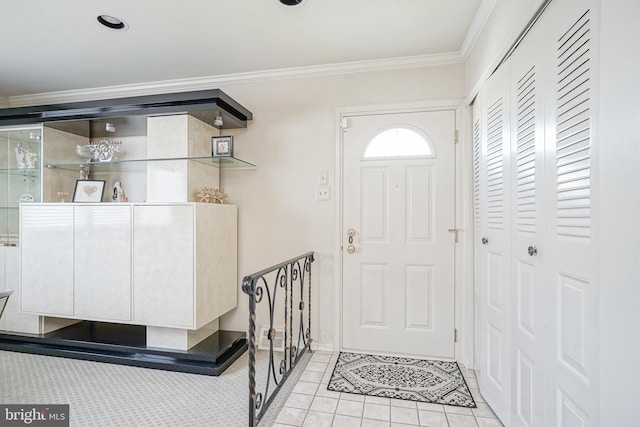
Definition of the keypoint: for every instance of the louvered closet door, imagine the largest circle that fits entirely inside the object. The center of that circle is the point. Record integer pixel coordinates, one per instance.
(571, 239)
(479, 227)
(494, 325)
(527, 264)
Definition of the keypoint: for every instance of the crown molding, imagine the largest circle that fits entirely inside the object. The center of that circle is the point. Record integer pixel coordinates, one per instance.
(203, 83)
(477, 25)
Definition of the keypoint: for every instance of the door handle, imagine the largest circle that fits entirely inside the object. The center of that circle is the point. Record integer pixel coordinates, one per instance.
(485, 240)
(351, 232)
(533, 251)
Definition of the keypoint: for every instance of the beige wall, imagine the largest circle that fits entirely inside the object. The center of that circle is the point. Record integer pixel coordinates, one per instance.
(292, 139)
(4, 102)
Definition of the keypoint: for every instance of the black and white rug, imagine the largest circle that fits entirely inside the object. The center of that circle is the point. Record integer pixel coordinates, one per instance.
(431, 381)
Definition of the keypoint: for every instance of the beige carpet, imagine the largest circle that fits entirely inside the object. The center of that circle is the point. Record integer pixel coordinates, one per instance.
(101, 394)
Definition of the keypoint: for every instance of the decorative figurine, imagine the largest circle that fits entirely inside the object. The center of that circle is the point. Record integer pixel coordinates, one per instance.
(62, 195)
(85, 172)
(208, 195)
(204, 195)
(118, 195)
(219, 196)
(25, 157)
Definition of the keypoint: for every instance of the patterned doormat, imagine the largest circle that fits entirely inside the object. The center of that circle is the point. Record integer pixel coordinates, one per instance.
(431, 381)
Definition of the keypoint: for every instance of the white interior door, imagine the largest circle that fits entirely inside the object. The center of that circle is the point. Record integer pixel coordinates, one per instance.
(571, 201)
(494, 326)
(527, 232)
(398, 262)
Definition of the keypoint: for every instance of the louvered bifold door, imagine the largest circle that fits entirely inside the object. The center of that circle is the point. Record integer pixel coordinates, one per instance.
(478, 226)
(494, 303)
(527, 231)
(571, 238)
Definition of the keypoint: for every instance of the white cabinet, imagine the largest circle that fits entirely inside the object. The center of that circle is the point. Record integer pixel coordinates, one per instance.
(102, 262)
(164, 268)
(46, 243)
(165, 265)
(77, 261)
(185, 269)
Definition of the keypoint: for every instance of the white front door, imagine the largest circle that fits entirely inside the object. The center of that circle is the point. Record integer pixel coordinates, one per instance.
(398, 255)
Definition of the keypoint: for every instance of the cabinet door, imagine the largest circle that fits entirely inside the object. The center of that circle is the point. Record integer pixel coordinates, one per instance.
(102, 242)
(163, 265)
(47, 259)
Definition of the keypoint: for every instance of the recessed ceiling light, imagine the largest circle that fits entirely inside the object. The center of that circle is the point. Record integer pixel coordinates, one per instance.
(290, 2)
(112, 22)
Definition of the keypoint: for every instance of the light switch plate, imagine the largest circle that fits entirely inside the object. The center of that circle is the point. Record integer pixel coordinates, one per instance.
(323, 178)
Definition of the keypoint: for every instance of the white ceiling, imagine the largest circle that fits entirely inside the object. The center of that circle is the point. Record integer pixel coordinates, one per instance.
(50, 46)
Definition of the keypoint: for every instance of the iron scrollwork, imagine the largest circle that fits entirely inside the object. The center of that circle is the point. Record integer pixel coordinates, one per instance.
(293, 278)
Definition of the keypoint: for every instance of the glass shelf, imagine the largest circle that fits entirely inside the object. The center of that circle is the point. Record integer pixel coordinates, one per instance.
(116, 165)
(32, 172)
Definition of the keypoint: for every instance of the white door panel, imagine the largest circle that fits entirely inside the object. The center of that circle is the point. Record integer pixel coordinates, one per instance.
(570, 254)
(528, 76)
(494, 279)
(398, 284)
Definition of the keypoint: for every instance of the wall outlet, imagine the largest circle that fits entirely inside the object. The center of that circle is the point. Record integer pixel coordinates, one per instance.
(323, 192)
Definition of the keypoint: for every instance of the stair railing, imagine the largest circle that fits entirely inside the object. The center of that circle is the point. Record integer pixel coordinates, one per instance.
(289, 326)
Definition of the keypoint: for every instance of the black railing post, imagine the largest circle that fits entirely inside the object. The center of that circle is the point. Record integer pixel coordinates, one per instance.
(249, 289)
(287, 275)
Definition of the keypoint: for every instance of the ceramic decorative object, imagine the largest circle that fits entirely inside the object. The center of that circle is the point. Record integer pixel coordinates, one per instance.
(25, 157)
(102, 151)
(62, 195)
(118, 194)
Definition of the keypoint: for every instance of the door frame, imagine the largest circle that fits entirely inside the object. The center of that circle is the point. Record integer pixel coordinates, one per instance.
(464, 319)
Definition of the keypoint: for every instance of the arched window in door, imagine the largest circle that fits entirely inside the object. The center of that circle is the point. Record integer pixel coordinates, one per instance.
(399, 141)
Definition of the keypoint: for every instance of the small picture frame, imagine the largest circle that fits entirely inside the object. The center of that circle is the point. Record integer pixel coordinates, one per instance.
(278, 341)
(88, 191)
(222, 146)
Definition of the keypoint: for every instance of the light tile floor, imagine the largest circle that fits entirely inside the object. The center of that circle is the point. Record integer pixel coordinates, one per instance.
(311, 404)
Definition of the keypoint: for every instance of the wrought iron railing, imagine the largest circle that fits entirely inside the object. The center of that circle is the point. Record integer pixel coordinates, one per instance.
(287, 288)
